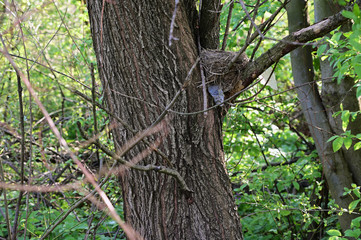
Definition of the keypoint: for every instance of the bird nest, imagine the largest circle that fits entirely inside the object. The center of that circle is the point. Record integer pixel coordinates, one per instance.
(215, 64)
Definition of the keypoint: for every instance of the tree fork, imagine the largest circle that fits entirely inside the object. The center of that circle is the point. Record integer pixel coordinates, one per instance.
(134, 58)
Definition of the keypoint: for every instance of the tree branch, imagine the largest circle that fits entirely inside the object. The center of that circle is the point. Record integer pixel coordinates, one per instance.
(149, 167)
(255, 68)
(209, 23)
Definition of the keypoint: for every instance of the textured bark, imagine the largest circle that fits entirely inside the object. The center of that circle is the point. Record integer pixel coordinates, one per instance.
(209, 23)
(141, 74)
(333, 94)
(335, 168)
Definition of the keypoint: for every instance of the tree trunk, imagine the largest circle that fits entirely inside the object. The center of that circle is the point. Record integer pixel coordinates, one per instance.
(141, 74)
(333, 94)
(336, 169)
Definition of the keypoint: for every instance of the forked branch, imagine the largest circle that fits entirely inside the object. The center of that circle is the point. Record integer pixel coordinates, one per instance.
(255, 68)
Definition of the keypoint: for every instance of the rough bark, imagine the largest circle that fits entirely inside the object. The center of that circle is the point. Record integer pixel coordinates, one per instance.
(334, 165)
(141, 74)
(333, 94)
(209, 23)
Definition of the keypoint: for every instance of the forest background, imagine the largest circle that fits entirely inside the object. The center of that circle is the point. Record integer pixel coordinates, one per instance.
(271, 159)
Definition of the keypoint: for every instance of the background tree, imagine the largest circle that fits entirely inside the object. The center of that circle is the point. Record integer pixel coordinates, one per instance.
(319, 113)
(157, 63)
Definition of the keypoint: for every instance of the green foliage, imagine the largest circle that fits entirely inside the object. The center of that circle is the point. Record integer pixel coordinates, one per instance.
(278, 183)
(344, 49)
(283, 200)
(354, 231)
(273, 201)
(59, 49)
(344, 55)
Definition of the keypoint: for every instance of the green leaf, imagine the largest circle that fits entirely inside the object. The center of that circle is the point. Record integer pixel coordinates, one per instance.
(353, 205)
(356, 222)
(332, 138)
(334, 232)
(321, 49)
(342, 2)
(353, 116)
(353, 233)
(347, 142)
(358, 72)
(356, 10)
(337, 144)
(350, 15)
(345, 119)
(355, 44)
(285, 212)
(357, 146)
(356, 192)
(296, 185)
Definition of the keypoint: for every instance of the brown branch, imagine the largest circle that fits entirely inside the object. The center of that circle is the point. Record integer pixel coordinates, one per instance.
(6, 204)
(209, 23)
(149, 167)
(171, 37)
(286, 45)
(226, 32)
(112, 213)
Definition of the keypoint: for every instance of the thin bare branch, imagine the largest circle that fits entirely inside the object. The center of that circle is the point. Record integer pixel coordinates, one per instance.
(255, 68)
(172, 23)
(63, 143)
(149, 167)
(226, 32)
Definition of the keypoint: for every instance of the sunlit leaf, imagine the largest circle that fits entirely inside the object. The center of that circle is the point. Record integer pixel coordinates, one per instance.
(334, 232)
(347, 142)
(353, 205)
(357, 146)
(337, 144)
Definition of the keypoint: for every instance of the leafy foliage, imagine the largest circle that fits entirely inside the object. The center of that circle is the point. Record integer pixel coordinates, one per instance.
(278, 183)
(343, 53)
(58, 47)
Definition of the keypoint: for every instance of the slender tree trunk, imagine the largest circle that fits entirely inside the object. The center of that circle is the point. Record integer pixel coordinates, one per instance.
(336, 168)
(141, 74)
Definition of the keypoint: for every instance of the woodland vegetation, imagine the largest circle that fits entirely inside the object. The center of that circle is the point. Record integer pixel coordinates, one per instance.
(171, 119)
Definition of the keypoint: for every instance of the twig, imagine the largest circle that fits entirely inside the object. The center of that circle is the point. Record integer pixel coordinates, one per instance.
(74, 206)
(185, 85)
(226, 32)
(31, 129)
(171, 37)
(7, 219)
(289, 217)
(112, 213)
(258, 142)
(121, 121)
(53, 70)
(204, 88)
(231, 97)
(203, 77)
(95, 114)
(254, 16)
(149, 167)
(71, 36)
(22, 151)
(257, 33)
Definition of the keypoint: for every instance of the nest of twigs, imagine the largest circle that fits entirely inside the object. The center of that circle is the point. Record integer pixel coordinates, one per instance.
(215, 64)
